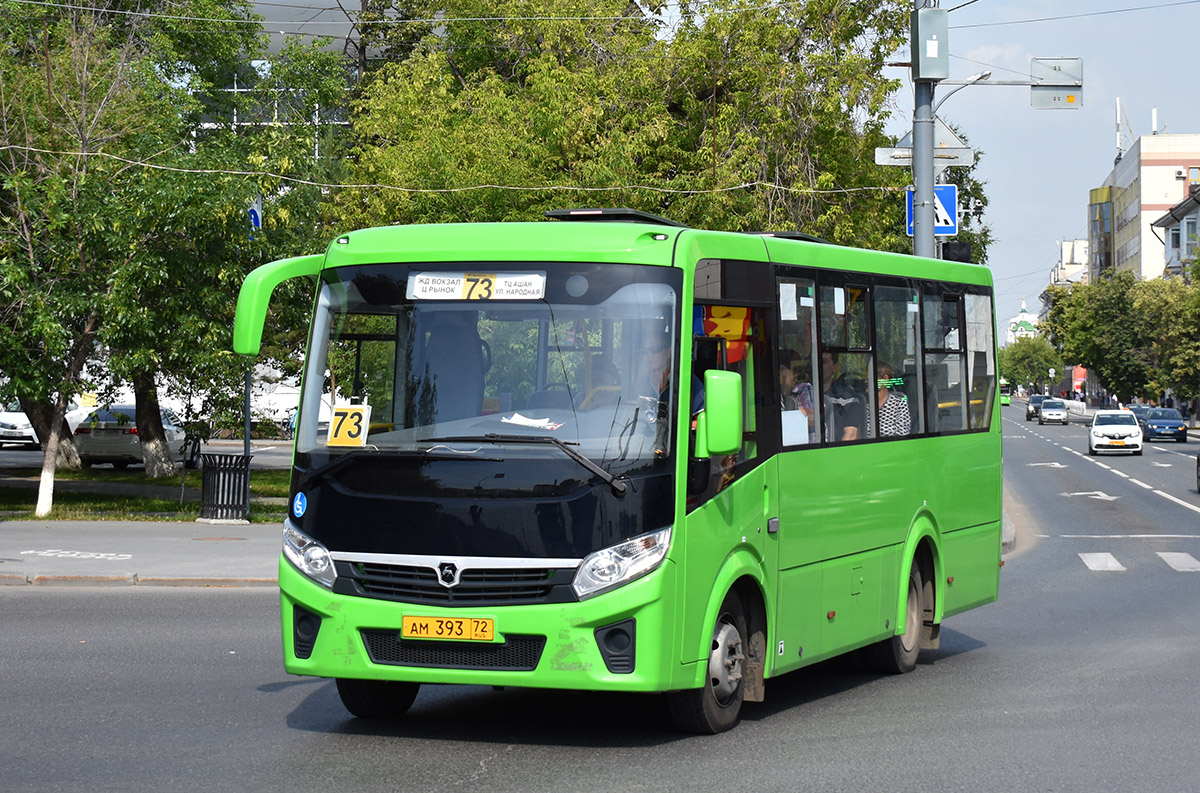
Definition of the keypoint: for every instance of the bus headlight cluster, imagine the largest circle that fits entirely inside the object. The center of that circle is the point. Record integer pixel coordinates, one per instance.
(621, 563)
(309, 556)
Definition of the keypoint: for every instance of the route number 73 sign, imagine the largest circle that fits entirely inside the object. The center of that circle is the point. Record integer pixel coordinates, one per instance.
(349, 425)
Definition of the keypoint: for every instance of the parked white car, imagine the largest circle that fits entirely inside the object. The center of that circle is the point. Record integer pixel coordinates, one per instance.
(1114, 431)
(1052, 410)
(109, 435)
(15, 426)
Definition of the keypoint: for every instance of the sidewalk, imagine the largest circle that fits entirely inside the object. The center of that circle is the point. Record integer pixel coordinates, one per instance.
(152, 553)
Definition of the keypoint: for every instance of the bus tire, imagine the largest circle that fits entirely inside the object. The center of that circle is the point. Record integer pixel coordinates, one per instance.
(716, 706)
(376, 699)
(897, 655)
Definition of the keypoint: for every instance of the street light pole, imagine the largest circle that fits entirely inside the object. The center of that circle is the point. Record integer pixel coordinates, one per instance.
(922, 166)
(930, 59)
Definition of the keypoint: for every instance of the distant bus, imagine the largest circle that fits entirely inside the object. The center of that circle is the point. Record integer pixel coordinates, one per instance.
(611, 453)
(1005, 392)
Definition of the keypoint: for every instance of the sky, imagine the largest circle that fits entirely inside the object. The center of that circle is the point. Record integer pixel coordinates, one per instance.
(1038, 165)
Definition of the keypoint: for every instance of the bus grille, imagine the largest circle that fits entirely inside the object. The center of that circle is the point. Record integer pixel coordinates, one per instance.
(516, 654)
(476, 587)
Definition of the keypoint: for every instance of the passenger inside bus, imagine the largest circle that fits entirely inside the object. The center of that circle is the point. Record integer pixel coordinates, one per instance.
(654, 379)
(894, 416)
(796, 394)
(452, 367)
(844, 408)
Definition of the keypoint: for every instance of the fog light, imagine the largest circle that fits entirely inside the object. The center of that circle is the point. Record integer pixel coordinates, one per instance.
(617, 645)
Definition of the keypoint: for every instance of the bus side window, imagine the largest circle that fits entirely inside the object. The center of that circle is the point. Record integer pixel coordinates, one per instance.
(798, 403)
(897, 332)
(983, 367)
(847, 371)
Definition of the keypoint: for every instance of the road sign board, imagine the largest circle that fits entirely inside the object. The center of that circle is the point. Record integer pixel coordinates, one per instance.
(943, 137)
(945, 210)
(941, 157)
(1056, 83)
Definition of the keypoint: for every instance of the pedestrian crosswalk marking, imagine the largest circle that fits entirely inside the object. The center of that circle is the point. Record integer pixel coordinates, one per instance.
(1106, 562)
(1183, 562)
(1101, 561)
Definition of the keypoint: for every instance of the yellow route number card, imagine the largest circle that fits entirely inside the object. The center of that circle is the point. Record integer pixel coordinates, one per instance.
(349, 425)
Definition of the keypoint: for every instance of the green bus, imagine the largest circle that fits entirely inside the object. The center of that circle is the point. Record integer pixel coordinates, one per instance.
(605, 451)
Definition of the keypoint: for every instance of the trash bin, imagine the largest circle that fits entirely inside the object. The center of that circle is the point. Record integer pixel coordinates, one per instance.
(225, 488)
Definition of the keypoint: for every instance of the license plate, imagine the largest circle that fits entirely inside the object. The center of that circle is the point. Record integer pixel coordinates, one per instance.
(476, 629)
(1118, 443)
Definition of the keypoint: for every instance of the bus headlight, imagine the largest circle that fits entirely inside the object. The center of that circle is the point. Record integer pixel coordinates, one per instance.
(309, 556)
(621, 563)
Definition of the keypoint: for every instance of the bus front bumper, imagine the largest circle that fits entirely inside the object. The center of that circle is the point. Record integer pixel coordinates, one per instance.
(563, 645)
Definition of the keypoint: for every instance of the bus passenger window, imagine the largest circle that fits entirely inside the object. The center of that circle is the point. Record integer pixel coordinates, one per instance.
(897, 337)
(843, 398)
(894, 417)
(798, 405)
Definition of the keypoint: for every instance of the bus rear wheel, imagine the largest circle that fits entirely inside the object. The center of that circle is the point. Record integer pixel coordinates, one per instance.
(377, 699)
(716, 706)
(898, 654)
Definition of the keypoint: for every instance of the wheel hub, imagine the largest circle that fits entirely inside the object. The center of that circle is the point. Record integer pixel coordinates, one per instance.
(725, 661)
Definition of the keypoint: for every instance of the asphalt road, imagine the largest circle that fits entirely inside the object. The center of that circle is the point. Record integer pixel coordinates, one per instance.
(1082, 677)
(265, 454)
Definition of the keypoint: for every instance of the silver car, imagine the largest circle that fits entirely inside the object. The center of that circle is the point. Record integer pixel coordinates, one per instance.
(110, 435)
(1052, 410)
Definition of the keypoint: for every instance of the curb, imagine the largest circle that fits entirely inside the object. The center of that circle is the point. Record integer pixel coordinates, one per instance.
(133, 579)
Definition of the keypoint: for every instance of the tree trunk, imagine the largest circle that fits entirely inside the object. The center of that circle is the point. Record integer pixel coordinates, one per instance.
(51, 445)
(156, 453)
(41, 416)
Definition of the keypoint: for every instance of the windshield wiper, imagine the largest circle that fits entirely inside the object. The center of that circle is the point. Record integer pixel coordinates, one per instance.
(618, 486)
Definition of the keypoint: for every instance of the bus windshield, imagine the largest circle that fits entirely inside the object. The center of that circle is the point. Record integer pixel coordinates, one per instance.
(463, 358)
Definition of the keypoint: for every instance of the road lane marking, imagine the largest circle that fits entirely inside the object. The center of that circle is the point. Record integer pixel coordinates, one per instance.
(1183, 562)
(1178, 501)
(1099, 495)
(1101, 561)
(1124, 536)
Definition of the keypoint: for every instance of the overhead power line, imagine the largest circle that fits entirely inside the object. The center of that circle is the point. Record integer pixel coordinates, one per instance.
(464, 189)
(1072, 16)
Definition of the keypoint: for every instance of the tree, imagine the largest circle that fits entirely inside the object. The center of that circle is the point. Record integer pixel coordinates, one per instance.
(123, 218)
(739, 118)
(1166, 313)
(1095, 325)
(1029, 360)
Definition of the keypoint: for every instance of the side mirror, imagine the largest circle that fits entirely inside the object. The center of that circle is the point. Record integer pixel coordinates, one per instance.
(719, 427)
(255, 295)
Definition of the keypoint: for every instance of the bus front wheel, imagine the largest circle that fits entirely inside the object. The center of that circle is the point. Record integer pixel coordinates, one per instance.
(377, 699)
(715, 706)
(898, 654)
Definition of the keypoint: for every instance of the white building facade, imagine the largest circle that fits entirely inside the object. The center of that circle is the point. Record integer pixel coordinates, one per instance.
(1148, 180)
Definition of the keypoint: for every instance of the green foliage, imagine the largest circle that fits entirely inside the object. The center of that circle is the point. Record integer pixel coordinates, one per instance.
(740, 117)
(123, 209)
(1029, 360)
(1140, 337)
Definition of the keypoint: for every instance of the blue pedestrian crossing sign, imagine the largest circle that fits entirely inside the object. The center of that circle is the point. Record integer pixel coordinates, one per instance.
(945, 210)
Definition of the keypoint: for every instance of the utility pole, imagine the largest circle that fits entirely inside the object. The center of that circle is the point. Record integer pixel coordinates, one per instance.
(930, 57)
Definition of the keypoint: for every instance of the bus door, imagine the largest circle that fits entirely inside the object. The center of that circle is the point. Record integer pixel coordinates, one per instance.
(727, 494)
(796, 391)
